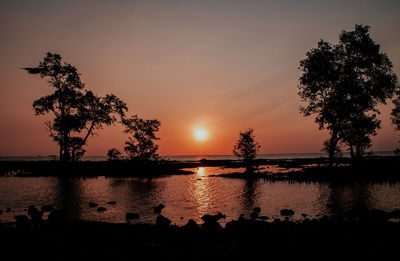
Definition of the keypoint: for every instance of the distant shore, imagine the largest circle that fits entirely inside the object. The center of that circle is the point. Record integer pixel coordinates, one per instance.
(371, 169)
(385, 168)
(196, 158)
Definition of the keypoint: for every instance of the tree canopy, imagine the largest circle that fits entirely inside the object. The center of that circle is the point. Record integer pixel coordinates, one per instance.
(396, 114)
(113, 154)
(246, 147)
(141, 146)
(77, 112)
(342, 85)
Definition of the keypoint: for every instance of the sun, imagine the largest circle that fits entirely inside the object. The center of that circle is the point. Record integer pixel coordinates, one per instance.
(200, 134)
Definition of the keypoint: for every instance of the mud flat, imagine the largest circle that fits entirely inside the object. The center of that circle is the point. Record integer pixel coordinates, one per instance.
(357, 237)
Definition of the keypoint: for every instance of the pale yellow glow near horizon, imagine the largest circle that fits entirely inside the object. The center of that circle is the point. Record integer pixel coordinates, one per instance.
(200, 134)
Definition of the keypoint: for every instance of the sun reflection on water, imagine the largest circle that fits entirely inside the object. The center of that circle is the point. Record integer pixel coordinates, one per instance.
(200, 171)
(199, 192)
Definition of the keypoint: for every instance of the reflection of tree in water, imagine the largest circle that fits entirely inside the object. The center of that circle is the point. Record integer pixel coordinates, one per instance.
(68, 198)
(341, 198)
(248, 198)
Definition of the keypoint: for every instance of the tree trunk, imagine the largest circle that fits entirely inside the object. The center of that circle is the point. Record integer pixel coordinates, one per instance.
(358, 152)
(83, 142)
(352, 151)
(66, 156)
(333, 141)
(61, 152)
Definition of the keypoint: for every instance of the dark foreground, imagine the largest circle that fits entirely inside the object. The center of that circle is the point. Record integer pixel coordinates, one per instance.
(371, 237)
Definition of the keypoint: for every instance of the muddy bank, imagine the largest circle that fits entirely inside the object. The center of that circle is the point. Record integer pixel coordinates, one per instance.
(374, 169)
(325, 239)
(91, 168)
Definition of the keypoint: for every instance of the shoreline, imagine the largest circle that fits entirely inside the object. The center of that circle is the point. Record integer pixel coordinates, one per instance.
(369, 235)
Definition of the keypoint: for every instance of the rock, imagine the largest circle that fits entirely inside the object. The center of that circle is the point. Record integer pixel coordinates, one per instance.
(304, 215)
(162, 221)
(1, 211)
(210, 221)
(35, 214)
(130, 216)
(324, 218)
(22, 220)
(101, 209)
(191, 225)
(158, 209)
(56, 216)
(287, 212)
(111, 202)
(93, 205)
(254, 215)
(47, 208)
(213, 218)
(8, 210)
(377, 215)
(32, 210)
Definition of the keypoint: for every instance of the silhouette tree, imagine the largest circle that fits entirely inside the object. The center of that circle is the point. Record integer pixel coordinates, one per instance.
(113, 154)
(246, 148)
(396, 115)
(141, 146)
(356, 133)
(337, 152)
(343, 84)
(78, 113)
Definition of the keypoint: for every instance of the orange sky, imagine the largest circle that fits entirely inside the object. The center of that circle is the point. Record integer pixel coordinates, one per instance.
(223, 65)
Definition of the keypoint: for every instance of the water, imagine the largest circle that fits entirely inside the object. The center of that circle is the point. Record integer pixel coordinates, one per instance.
(190, 196)
(197, 157)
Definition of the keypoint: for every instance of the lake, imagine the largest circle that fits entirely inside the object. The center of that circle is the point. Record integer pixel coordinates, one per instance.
(196, 158)
(190, 196)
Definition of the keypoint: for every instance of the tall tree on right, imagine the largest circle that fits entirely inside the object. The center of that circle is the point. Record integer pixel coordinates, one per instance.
(396, 115)
(343, 84)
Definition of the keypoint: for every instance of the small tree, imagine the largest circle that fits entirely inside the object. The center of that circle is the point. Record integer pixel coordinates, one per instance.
(78, 113)
(141, 146)
(113, 154)
(246, 148)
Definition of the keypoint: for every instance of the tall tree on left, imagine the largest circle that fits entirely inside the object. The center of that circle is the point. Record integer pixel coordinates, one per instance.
(77, 112)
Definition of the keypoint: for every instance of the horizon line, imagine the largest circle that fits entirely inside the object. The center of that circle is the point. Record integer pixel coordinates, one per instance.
(193, 155)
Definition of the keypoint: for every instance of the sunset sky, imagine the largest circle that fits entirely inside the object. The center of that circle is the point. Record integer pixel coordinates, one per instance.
(218, 66)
